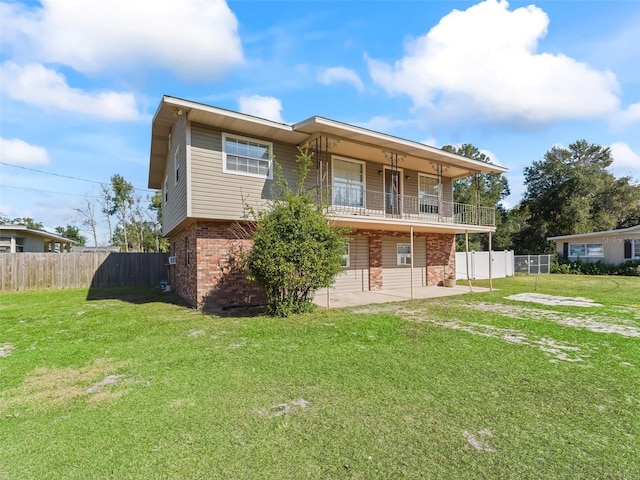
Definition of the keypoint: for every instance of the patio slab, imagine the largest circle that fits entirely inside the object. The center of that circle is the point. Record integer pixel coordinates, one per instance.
(351, 299)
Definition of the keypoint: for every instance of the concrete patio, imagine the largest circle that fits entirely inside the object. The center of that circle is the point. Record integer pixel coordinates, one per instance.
(350, 299)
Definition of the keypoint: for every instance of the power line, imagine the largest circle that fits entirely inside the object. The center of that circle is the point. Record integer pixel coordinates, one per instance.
(49, 191)
(67, 176)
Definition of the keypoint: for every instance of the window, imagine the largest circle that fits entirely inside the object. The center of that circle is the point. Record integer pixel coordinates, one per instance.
(403, 252)
(345, 256)
(176, 163)
(428, 194)
(245, 156)
(348, 183)
(165, 189)
(583, 250)
(6, 244)
(635, 247)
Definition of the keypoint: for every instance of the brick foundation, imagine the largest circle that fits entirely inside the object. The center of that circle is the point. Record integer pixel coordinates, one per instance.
(209, 272)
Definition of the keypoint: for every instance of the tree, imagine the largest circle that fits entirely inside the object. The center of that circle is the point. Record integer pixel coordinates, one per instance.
(121, 202)
(570, 192)
(485, 190)
(87, 218)
(296, 251)
(28, 221)
(72, 233)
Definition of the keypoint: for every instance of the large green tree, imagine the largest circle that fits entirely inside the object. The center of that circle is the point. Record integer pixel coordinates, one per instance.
(570, 191)
(296, 251)
(485, 190)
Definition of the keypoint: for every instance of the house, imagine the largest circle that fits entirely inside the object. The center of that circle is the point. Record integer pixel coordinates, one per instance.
(395, 194)
(611, 246)
(20, 238)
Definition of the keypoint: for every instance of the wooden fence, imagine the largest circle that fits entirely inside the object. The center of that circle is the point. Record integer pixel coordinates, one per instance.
(39, 271)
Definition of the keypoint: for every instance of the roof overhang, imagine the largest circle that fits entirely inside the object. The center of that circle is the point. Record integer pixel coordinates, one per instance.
(633, 230)
(52, 237)
(392, 225)
(344, 140)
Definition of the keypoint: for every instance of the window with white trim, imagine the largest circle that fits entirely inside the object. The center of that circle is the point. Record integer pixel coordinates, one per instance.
(176, 163)
(348, 183)
(246, 156)
(346, 256)
(635, 248)
(586, 250)
(165, 189)
(428, 194)
(403, 253)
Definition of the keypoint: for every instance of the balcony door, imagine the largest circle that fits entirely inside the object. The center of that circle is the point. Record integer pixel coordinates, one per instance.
(392, 191)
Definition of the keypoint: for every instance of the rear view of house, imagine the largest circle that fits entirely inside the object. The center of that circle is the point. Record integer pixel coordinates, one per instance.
(395, 194)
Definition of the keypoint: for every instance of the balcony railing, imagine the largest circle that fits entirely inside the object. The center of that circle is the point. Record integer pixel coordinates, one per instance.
(356, 201)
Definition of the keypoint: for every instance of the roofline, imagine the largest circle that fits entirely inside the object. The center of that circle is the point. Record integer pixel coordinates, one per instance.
(402, 141)
(610, 232)
(37, 231)
(181, 102)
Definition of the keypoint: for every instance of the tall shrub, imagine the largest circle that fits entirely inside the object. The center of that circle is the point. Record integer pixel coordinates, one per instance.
(296, 251)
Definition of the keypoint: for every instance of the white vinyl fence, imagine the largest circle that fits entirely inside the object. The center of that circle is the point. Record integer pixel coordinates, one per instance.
(501, 265)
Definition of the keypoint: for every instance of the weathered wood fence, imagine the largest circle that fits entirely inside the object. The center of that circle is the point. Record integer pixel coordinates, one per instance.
(39, 271)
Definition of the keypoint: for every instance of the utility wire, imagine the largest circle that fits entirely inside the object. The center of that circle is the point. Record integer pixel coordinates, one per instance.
(67, 176)
(49, 191)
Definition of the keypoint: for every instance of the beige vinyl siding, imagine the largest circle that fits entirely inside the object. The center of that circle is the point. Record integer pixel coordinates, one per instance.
(219, 195)
(175, 209)
(355, 278)
(396, 276)
(447, 189)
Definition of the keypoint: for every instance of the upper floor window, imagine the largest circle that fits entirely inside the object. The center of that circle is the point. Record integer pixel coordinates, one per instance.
(246, 156)
(176, 164)
(586, 250)
(429, 194)
(348, 183)
(165, 189)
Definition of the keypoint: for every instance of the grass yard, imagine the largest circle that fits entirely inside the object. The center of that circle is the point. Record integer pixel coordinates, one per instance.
(127, 384)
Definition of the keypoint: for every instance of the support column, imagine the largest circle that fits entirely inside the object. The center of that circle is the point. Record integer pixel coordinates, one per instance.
(375, 261)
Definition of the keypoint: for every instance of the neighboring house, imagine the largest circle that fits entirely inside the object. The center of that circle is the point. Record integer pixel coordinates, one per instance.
(611, 246)
(394, 193)
(20, 238)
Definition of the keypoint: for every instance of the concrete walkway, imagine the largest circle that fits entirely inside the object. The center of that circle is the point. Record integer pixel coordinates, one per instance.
(341, 299)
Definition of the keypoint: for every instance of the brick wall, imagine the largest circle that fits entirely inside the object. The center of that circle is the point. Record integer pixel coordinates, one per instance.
(441, 257)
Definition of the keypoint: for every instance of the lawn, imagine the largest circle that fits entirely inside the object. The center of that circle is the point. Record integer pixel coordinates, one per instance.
(130, 384)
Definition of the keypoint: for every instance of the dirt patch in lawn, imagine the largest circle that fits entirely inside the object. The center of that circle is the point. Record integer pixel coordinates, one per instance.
(554, 300)
(47, 387)
(5, 350)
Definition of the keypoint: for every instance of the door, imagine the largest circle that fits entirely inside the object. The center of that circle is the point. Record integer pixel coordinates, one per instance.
(392, 191)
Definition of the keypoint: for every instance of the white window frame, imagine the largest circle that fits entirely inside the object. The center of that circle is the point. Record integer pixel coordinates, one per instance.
(635, 248)
(587, 248)
(436, 197)
(364, 180)
(263, 143)
(346, 257)
(403, 259)
(176, 165)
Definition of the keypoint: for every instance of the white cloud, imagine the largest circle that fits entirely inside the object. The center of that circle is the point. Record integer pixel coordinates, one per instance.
(625, 160)
(629, 116)
(193, 38)
(37, 85)
(341, 74)
(483, 62)
(19, 152)
(263, 107)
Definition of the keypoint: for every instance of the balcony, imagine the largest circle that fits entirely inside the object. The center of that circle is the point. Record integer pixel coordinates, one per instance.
(346, 201)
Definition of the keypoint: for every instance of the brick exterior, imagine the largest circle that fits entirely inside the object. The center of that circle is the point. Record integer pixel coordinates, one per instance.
(441, 257)
(209, 273)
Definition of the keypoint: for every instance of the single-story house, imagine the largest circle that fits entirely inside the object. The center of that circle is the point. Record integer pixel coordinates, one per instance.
(20, 238)
(610, 246)
(395, 194)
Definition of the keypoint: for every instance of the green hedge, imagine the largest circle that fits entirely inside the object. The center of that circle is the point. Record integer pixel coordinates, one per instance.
(628, 268)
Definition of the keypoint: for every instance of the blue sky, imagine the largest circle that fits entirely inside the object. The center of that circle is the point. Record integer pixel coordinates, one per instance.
(80, 81)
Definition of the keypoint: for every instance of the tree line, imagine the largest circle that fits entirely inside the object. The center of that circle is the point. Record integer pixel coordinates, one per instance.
(569, 191)
(134, 224)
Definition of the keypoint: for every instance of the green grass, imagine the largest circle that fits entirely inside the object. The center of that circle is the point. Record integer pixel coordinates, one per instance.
(127, 384)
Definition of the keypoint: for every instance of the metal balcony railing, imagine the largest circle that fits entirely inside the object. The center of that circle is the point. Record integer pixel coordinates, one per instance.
(356, 201)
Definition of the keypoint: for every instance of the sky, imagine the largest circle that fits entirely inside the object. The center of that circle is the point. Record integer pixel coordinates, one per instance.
(80, 81)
